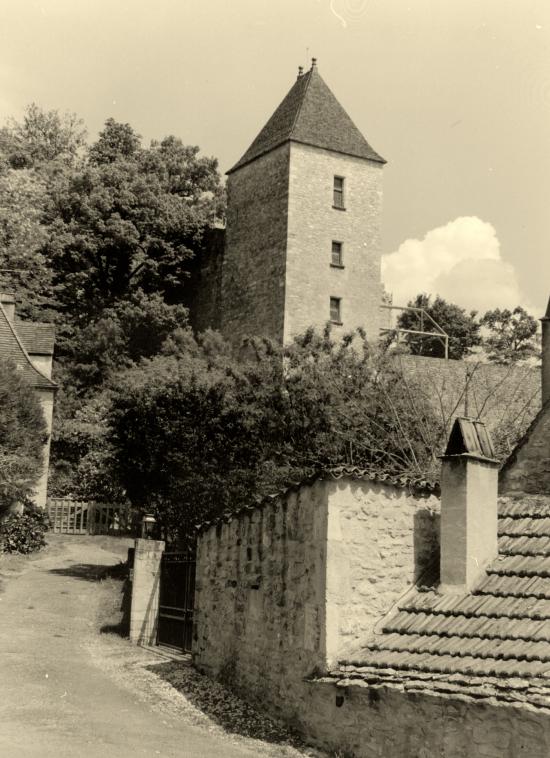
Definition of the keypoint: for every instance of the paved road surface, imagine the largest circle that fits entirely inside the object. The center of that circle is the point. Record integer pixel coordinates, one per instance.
(55, 701)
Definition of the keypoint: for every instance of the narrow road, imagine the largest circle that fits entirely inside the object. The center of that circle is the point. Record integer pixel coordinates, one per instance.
(55, 701)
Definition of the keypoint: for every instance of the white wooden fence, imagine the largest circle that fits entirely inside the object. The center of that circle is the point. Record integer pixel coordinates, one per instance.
(76, 517)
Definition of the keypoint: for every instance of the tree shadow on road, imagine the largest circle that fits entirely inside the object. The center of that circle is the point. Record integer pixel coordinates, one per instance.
(115, 606)
(224, 708)
(92, 572)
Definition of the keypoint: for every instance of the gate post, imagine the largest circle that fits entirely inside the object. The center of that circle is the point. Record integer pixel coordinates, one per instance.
(145, 591)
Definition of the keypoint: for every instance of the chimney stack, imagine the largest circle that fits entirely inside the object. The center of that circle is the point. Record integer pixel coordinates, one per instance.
(545, 371)
(469, 515)
(8, 303)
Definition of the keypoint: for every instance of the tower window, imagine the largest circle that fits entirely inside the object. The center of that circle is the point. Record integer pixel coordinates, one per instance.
(338, 192)
(336, 310)
(337, 254)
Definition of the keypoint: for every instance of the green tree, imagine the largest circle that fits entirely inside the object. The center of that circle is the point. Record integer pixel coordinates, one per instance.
(129, 222)
(41, 137)
(460, 326)
(120, 336)
(196, 433)
(512, 335)
(117, 141)
(22, 436)
(24, 268)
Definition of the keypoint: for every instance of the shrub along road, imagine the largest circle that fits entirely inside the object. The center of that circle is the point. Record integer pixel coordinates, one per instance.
(67, 690)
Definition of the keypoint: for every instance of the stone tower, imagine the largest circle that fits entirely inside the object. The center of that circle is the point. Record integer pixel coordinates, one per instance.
(302, 241)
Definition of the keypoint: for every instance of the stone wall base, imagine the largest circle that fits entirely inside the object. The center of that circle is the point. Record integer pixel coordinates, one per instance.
(372, 721)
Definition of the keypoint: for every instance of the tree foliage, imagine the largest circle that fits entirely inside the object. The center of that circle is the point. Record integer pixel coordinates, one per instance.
(98, 239)
(22, 436)
(24, 268)
(42, 137)
(461, 327)
(196, 433)
(129, 219)
(512, 335)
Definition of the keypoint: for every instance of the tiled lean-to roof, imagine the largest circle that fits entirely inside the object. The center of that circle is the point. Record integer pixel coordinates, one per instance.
(492, 642)
(12, 348)
(310, 114)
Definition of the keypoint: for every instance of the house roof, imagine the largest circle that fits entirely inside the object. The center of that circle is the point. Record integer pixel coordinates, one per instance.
(492, 642)
(38, 338)
(310, 114)
(11, 347)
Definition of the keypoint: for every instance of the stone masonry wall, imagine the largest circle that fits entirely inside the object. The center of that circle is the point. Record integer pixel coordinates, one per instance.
(376, 721)
(312, 226)
(253, 278)
(381, 539)
(287, 589)
(528, 470)
(259, 606)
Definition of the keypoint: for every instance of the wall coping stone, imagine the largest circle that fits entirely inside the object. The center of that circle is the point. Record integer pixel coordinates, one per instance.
(417, 486)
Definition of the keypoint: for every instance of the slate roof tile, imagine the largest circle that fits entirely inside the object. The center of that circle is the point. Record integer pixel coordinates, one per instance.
(12, 348)
(310, 114)
(494, 642)
(38, 338)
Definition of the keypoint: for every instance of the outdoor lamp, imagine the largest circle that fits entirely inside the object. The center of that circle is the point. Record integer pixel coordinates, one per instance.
(148, 523)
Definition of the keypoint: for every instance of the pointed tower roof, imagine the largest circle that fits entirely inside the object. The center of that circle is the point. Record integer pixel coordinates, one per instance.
(310, 114)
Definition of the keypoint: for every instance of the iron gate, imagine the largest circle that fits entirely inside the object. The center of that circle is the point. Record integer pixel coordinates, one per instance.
(177, 597)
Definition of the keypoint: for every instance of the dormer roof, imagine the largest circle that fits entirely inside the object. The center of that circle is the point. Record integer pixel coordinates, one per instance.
(310, 114)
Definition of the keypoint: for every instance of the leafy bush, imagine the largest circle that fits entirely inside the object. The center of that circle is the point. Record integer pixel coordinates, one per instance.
(22, 437)
(196, 433)
(24, 532)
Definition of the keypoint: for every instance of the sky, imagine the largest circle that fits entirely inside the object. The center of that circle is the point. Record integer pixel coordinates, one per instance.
(455, 94)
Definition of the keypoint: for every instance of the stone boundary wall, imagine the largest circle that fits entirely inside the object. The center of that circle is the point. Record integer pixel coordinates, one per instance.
(286, 590)
(372, 721)
(380, 540)
(259, 602)
(506, 398)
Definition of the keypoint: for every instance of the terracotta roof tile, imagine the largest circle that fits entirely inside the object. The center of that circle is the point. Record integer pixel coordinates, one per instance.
(527, 527)
(521, 565)
(422, 487)
(494, 642)
(520, 545)
(310, 114)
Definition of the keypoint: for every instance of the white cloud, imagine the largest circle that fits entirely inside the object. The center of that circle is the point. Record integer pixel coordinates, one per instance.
(460, 261)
